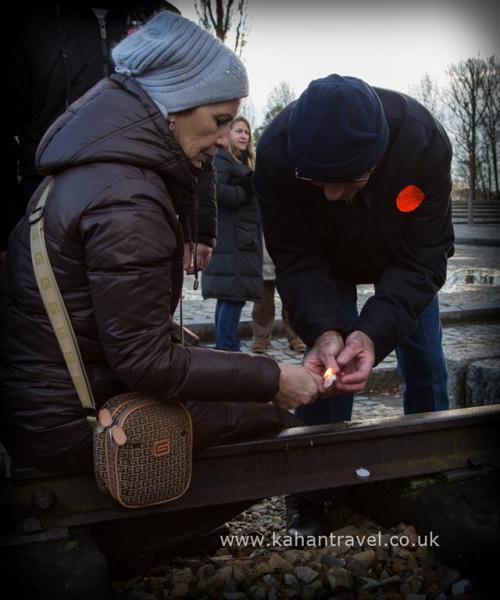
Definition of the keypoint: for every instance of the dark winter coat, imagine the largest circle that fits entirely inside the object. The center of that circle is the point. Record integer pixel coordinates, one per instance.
(369, 239)
(116, 248)
(56, 51)
(235, 270)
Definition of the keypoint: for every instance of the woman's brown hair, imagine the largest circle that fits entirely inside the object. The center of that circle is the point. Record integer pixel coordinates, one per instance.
(250, 147)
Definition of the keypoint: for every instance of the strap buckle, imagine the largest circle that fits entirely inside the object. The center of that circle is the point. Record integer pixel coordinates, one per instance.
(36, 214)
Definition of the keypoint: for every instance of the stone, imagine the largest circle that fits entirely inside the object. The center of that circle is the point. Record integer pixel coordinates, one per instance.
(305, 574)
(381, 554)
(292, 556)
(460, 587)
(156, 585)
(234, 596)
(310, 592)
(482, 382)
(401, 553)
(206, 571)
(412, 596)
(367, 556)
(416, 585)
(216, 582)
(270, 580)
(258, 592)
(138, 594)
(239, 571)
(263, 568)
(290, 580)
(412, 563)
(368, 584)
(331, 560)
(399, 566)
(389, 581)
(392, 596)
(180, 590)
(226, 572)
(405, 589)
(358, 568)
(340, 579)
(182, 575)
(277, 562)
(272, 594)
(230, 585)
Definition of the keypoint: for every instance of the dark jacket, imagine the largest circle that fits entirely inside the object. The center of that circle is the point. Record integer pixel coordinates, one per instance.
(368, 240)
(55, 52)
(235, 270)
(116, 248)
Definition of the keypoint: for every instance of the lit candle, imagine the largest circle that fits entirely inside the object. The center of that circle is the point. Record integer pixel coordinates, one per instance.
(329, 377)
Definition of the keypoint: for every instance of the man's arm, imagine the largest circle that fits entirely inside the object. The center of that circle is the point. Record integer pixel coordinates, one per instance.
(302, 271)
(417, 268)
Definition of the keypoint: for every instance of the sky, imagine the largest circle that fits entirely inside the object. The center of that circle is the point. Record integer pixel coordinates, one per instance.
(388, 43)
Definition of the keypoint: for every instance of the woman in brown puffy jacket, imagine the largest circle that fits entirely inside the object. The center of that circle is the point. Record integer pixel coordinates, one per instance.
(123, 158)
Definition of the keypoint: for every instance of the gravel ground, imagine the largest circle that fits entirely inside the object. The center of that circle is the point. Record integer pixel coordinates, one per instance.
(385, 567)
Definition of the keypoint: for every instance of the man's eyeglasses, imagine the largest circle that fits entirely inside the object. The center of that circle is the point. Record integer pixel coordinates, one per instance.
(363, 179)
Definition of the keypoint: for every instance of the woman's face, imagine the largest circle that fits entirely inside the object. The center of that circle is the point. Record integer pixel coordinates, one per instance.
(240, 135)
(197, 130)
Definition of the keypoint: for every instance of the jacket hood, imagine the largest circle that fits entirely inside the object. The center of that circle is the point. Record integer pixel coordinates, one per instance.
(115, 121)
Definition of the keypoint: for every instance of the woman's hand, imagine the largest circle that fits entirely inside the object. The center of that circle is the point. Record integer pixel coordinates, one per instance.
(203, 256)
(297, 387)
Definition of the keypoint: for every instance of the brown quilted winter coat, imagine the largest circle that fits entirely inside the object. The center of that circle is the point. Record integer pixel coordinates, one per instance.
(116, 248)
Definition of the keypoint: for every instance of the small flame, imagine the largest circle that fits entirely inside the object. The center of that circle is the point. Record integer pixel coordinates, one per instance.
(329, 376)
(328, 373)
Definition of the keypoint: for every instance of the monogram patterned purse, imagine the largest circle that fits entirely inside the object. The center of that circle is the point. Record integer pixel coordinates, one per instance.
(142, 445)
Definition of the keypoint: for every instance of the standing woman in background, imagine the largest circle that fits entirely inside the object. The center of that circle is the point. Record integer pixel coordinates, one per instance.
(234, 274)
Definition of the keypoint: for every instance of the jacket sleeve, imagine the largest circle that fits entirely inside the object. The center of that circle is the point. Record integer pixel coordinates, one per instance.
(132, 254)
(13, 94)
(229, 195)
(302, 271)
(417, 268)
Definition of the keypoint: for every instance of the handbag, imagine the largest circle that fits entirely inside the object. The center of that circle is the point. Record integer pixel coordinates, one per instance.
(142, 445)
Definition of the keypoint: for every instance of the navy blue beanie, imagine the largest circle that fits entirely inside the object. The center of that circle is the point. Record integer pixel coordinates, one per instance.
(337, 129)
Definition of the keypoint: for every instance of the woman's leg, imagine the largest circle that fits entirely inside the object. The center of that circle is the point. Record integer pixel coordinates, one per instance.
(227, 335)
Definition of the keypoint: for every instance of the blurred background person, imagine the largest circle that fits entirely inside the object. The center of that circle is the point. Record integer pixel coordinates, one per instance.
(234, 275)
(263, 313)
(56, 51)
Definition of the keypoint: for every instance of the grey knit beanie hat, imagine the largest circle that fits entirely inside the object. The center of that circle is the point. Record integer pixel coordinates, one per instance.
(180, 65)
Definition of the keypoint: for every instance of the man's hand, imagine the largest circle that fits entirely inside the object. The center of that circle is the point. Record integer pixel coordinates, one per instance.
(356, 362)
(203, 256)
(297, 387)
(324, 355)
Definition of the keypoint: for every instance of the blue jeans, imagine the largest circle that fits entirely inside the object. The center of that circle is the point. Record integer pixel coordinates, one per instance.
(421, 364)
(227, 322)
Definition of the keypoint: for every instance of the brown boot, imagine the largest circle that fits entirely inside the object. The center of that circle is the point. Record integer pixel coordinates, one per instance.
(297, 345)
(259, 346)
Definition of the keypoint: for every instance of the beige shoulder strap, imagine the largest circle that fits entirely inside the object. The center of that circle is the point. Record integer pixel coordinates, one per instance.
(56, 310)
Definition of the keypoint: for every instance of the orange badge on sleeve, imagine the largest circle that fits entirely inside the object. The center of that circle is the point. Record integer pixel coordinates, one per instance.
(410, 198)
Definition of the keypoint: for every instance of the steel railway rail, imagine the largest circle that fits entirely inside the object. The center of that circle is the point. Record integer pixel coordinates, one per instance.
(42, 508)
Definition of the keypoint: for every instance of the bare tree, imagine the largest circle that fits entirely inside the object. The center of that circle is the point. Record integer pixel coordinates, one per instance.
(247, 109)
(280, 97)
(220, 16)
(490, 124)
(465, 100)
(427, 92)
